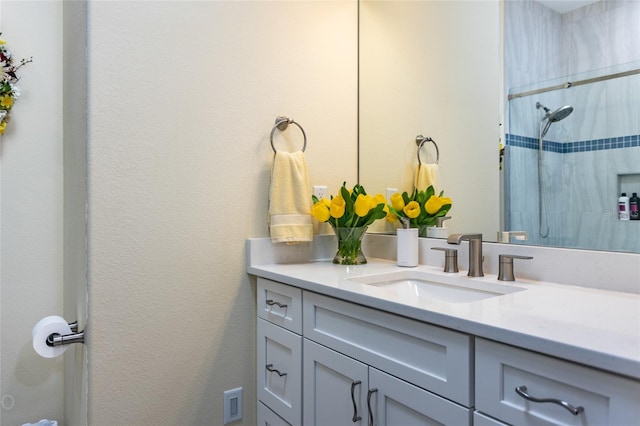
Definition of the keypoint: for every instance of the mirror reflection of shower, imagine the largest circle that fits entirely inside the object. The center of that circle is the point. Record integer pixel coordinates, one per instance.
(545, 123)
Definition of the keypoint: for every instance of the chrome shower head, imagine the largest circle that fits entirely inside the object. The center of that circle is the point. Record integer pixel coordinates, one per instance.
(560, 114)
(557, 115)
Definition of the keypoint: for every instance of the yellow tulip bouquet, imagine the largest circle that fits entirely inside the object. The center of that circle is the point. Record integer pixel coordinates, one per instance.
(350, 212)
(9, 91)
(421, 209)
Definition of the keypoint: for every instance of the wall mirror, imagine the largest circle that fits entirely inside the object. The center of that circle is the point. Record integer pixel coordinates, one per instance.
(507, 56)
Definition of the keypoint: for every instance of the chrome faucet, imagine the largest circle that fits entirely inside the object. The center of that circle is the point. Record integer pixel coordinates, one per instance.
(475, 251)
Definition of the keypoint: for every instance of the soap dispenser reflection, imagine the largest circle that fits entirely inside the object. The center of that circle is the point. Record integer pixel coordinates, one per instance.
(407, 244)
(439, 231)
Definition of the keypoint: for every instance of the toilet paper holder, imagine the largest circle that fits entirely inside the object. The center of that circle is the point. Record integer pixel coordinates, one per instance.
(55, 339)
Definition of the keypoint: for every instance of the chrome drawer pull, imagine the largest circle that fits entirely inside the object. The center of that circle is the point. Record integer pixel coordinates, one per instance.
(278, 304)
(371, 392)
(275, 370)
(356, 417)
(522, 391)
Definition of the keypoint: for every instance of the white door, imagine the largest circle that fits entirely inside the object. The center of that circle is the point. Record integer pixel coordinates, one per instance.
(397, 403)
(334, 388)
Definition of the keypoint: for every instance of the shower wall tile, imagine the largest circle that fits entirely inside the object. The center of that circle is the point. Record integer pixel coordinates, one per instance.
(585, 154)
(582, 192)
(533, 32)
(585, 43)
(624, 31)
(618, 142)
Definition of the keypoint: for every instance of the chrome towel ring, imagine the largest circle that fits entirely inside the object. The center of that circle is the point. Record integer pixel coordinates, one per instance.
(420, 140)
(281, 124)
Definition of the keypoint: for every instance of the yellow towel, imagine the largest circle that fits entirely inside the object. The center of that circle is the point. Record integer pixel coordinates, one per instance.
(427, 175)
(290, 199)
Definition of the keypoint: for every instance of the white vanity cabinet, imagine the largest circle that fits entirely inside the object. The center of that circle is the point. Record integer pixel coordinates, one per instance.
(324, 361)
(509, 380)
(279, 353)
(356, 363)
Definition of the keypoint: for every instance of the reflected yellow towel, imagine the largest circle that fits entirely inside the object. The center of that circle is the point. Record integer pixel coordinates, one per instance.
(427, 175)
(290, 199)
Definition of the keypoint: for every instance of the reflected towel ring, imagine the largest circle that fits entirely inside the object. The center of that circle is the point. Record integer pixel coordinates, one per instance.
(420, 140)
(281, 124)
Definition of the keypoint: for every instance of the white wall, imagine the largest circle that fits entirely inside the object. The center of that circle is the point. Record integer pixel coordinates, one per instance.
(31, 213)
(182, 98)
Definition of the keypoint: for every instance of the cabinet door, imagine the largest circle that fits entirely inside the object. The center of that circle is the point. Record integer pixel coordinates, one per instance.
(280, 370)
(335, 388)
(395, 402)
(480, 419)
(266, 417)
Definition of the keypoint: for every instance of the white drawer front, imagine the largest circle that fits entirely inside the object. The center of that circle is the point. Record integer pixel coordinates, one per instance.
(431, 357)
(605, 398)
(280, 371)
(266, 417)
(280, 304)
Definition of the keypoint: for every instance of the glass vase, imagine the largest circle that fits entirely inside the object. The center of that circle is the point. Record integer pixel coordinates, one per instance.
(350, 246)
(422, 230)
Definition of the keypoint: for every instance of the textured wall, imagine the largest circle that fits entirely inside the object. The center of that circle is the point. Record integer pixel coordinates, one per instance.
(182, 97)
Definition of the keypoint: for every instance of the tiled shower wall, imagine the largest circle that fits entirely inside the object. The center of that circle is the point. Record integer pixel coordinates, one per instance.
(593, 154)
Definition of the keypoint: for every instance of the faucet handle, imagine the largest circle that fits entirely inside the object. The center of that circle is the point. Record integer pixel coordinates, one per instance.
(450, 258)
(505, 266)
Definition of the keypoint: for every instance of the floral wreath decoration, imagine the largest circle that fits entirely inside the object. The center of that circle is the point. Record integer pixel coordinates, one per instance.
(9, 91)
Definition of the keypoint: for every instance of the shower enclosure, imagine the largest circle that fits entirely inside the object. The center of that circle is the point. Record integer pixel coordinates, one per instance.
(574, 167)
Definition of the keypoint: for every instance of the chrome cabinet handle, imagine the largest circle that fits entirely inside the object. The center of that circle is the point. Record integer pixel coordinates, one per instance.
(275, 370)
(371, 392)
(273, 302)
(356, 417)
(522, 391)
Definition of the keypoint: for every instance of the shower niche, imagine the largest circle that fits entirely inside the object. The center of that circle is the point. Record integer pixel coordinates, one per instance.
(629, 183)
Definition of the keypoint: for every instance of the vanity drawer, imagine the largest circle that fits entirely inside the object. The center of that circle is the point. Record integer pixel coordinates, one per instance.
(606, 399)
(279, 370)
(427, 356)
(280, 304)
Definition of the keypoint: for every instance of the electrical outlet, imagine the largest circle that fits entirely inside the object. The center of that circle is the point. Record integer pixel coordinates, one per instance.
(390, 192)
(232, 405)
(320, 191)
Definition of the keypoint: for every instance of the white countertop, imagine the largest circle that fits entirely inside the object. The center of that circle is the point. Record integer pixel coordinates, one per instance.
(598, 328)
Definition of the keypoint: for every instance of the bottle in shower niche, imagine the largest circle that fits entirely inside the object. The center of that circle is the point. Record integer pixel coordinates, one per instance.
(634, 203)
(623, 207)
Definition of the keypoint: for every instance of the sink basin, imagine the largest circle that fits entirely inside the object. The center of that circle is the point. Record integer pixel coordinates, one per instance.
(424, 286)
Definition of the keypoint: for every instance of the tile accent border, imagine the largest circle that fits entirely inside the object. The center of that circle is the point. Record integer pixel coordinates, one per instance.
(578, 146)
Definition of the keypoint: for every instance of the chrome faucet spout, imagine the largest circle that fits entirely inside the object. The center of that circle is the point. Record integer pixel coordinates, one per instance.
(475, 251)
